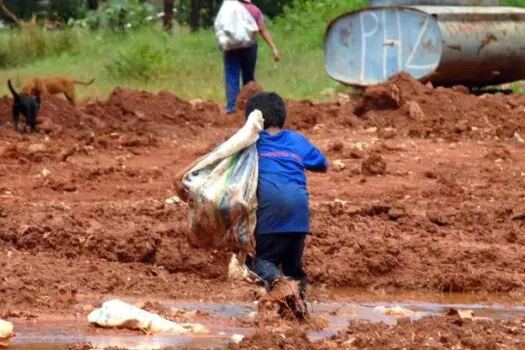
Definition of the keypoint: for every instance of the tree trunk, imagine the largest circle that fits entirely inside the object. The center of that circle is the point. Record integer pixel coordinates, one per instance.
(93, 5)
(8, 13)
(195, 15)
(168, 14)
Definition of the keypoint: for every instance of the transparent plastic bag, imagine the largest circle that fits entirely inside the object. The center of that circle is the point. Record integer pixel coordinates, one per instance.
(6, 333)
(222, 191)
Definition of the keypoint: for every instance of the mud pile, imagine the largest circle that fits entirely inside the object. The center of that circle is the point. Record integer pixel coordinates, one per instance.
(135, 109)
(268, 339)
(246, 93)
(422, 111)
(432, 333)
(427, 333)
(124, 110)
(55, 113)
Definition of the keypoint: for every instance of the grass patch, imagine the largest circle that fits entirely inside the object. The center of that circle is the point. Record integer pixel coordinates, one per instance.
(142, 60)
(23, 48)
(188, 64)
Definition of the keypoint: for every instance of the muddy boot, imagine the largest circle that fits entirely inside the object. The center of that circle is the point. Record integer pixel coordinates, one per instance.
(286, 292)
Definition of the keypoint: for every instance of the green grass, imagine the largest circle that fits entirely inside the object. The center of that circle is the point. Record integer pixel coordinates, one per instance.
(188, 64)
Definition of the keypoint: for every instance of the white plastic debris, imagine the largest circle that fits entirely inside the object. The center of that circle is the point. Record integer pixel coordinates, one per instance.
(118, 314)
(463, 314)
(6, 333)
(339, 165)
(45, 172)
(36, 147)
(237, 270)
(237, 338)
(172, 200)
(518, 138)
(396, 311)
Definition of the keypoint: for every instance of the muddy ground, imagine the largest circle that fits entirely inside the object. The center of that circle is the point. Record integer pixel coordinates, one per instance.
(426, 193)
(428, 333)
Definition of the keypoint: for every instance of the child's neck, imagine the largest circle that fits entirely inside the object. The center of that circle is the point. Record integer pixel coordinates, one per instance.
(273, 130)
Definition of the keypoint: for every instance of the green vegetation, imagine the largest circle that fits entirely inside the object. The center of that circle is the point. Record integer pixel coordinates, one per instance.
(189, 64)
(519, 3)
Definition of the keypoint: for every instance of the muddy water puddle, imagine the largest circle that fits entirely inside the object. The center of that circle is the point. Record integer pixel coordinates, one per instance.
(41, 335)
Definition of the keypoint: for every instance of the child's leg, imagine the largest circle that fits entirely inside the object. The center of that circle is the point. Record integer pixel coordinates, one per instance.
(267, 255)
(232, 74)
(293, 263)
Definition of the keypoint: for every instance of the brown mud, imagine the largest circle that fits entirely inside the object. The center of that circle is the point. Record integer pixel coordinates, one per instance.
(426, 333)
(428, 195)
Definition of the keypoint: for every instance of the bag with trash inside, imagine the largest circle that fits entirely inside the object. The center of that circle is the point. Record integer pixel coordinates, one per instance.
(222, 192)
(235, 27)
(118, 314)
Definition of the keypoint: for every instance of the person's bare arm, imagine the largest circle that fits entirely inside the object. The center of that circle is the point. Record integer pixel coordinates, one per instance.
(268, 38)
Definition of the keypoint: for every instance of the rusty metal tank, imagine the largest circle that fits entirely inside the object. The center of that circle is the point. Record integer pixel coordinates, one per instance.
(447, 45)
(375, 3)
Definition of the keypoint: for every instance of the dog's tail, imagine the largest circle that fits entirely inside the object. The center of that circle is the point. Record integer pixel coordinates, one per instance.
(85, 83)
(16, 96)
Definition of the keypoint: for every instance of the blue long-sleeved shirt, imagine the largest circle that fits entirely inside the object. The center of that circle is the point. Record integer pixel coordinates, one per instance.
(282, 194)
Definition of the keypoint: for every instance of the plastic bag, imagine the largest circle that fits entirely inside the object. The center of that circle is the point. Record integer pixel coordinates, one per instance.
(222, 191)
(6, 333)
(235, 27)
(118, 314)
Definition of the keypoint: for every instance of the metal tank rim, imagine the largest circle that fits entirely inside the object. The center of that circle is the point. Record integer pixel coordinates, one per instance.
(332, 22)
(441, 14)
(455, 3)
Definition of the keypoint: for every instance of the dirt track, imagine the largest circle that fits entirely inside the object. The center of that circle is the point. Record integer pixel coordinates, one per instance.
(431, 197)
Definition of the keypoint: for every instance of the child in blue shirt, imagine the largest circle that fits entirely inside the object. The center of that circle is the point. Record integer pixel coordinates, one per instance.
(283, 214)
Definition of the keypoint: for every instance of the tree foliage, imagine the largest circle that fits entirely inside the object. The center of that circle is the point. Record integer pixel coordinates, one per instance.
(197, 13)
(61, 10)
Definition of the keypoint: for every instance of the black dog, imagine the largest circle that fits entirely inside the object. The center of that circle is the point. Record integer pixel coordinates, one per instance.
(26, 105)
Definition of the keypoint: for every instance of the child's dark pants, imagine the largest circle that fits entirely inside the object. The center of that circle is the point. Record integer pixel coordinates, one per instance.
(280, 249)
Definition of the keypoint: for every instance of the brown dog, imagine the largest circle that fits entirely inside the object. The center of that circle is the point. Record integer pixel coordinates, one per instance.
(54, 85)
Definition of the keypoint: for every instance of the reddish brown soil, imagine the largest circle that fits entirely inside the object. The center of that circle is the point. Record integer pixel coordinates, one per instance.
(422, 111)
(274, 340)
(246, 93)
(82, 208)
(427, 333)
(434, 333)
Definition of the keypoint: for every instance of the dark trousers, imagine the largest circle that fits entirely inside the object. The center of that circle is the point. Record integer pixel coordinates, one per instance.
(280, 249)
(236, 62)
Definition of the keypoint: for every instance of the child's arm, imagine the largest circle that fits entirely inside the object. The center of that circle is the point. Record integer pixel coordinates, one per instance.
(313, 159)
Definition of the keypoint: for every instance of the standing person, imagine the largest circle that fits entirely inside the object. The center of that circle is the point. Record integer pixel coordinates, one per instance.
(243, 60)
(283, 214)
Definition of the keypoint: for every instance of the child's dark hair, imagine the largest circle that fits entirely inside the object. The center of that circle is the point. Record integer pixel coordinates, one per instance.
(272, 107)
